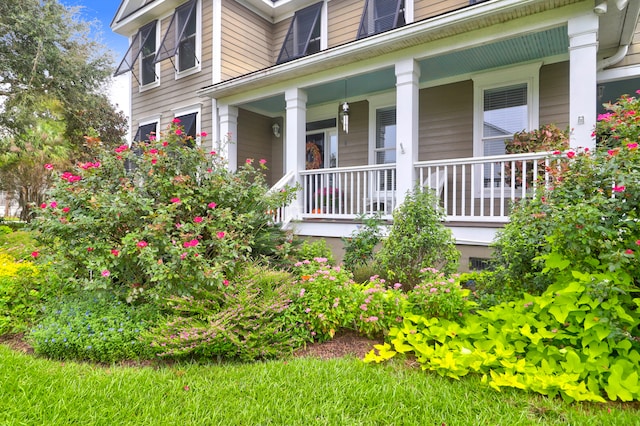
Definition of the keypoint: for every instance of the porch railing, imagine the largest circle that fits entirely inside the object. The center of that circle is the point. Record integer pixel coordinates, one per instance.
(280, 215)
(476, 189)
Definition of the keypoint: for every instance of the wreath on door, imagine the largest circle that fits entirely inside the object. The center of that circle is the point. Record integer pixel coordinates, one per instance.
(314, 157)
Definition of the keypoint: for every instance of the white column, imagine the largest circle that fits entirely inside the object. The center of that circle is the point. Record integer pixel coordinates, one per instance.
(583, 49)
(407, 97)
(228, 136)
(294, 145)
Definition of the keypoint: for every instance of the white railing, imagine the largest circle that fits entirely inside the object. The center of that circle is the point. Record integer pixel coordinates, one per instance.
(280, 215)
(346, 192)
(475, 189)
(483, 189)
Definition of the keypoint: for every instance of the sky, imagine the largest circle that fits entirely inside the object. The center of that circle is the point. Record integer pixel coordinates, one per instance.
(103, 12)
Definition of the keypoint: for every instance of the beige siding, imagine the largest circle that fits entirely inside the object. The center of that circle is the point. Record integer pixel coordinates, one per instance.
(423, 9)
(246, 41)
(343, 20)
(279, 33)
(277, 153)
(353, 148)
(554, 95)
(446, 121)
(254, 139)
(176, 93)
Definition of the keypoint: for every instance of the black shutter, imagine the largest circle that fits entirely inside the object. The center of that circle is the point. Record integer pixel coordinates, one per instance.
(133, 52)
(303, 37)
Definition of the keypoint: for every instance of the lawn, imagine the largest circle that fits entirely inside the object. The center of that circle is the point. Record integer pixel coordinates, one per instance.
(299, 391)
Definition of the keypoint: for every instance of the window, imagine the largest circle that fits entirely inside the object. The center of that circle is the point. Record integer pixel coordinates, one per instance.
(303, 37)
(143, 44)
(381, 15)
(180, 44)
(189, 124)
(324, 136)
(385, 145)
(144, 131)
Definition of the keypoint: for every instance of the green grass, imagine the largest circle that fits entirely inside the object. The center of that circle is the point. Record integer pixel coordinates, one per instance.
(37, 391)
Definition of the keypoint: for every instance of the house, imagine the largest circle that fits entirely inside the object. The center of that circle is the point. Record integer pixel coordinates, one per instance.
(358, 101)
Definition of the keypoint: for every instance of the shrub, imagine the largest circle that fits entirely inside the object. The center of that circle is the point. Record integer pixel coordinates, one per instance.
(620, 125)
(310, 250)
(439, 296)
(417, 240)
(251, 319)
(360, 245)
(163, 218)
(380, 308)
(93, 327)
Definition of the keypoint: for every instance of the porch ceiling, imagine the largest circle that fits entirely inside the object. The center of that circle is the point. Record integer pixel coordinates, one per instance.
(524, 48)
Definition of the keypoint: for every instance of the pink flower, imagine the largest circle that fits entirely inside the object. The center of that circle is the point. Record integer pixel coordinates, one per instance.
(122, 148)
(249, 160)
(115, 252)
(89, 249)
(175, 200)
(263, 161)
(203, 134)
(618, 188)
(628, 251)
(154, 160)
(220, 234)
(142, 244)
(191, 243)
(66, 209)
(212, 153)
(212, 205)
(433, 290)
(165, 143)
(197, 219)
(53, 204)
(175, 120)
(226, 283)
(557, 152)
(152, 138)
(638, 242)
(106, 273)
(363, 307)
(35, 254)
(183, 256)
(178, 132)
(632, 145)
(153, 151)
(48, 166)
(397, 286)
(605, 117)
(571, 154)
(612, 152)
(302, 291)
(43, 205)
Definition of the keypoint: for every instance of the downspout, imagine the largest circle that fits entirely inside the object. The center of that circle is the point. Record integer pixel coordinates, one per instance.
(626, 36)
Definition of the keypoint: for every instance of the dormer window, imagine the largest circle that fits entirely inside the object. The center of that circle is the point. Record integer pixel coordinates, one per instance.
(303, 37)
(381, 15)
(143, 44)
(180, 42)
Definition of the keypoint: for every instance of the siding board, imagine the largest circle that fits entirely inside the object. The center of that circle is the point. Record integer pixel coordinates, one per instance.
(344, 18)
(423, 9)
(254, 139)
(554, 95)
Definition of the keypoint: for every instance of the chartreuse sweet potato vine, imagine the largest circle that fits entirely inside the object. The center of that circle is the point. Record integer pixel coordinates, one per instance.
(578, 340)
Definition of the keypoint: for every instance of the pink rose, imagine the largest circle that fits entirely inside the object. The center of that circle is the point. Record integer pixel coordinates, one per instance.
(142, 244)
(197, 219)
(220, 234)
(106, 273)
(212, 205)
(48, 166)
(175, 200)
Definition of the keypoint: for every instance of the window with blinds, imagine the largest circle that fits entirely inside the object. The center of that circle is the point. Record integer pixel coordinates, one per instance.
(180, 39)
(303, 37)
(505, 112)
(143, 44)
(385, 149)
(381, 15)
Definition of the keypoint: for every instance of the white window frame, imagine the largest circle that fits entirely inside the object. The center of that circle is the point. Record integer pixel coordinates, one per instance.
(385, 100)
(146, 121)
(323, 29)
(528, 74)
(190, 109)
(198, 66)
(156, 83)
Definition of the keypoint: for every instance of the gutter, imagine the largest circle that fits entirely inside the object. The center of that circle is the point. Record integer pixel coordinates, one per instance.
(626, 36)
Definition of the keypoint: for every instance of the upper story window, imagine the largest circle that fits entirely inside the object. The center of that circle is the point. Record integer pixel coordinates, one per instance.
(143, 44)
(303, 37)
(180, 43)
(381, 15)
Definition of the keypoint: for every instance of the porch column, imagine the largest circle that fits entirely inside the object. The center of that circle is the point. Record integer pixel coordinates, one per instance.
(295, 130)
(228, 136)
(583, 49)
(407, 97)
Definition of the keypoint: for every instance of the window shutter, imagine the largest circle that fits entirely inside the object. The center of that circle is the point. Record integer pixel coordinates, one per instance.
(178, 26)
(133, 52)
(303, 37)
(381, 15)
(144, 131)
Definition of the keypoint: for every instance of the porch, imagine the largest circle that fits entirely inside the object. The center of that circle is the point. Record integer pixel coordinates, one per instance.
(476, 193)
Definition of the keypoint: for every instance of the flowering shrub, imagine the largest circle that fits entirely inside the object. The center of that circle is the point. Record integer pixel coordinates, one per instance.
(93, 327)
(359, 246)
(160, 218)
(620, 125)
(380, 307)
(323, 298)
(439, 296)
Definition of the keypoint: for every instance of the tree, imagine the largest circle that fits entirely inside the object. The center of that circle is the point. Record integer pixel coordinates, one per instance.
(51, 83)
